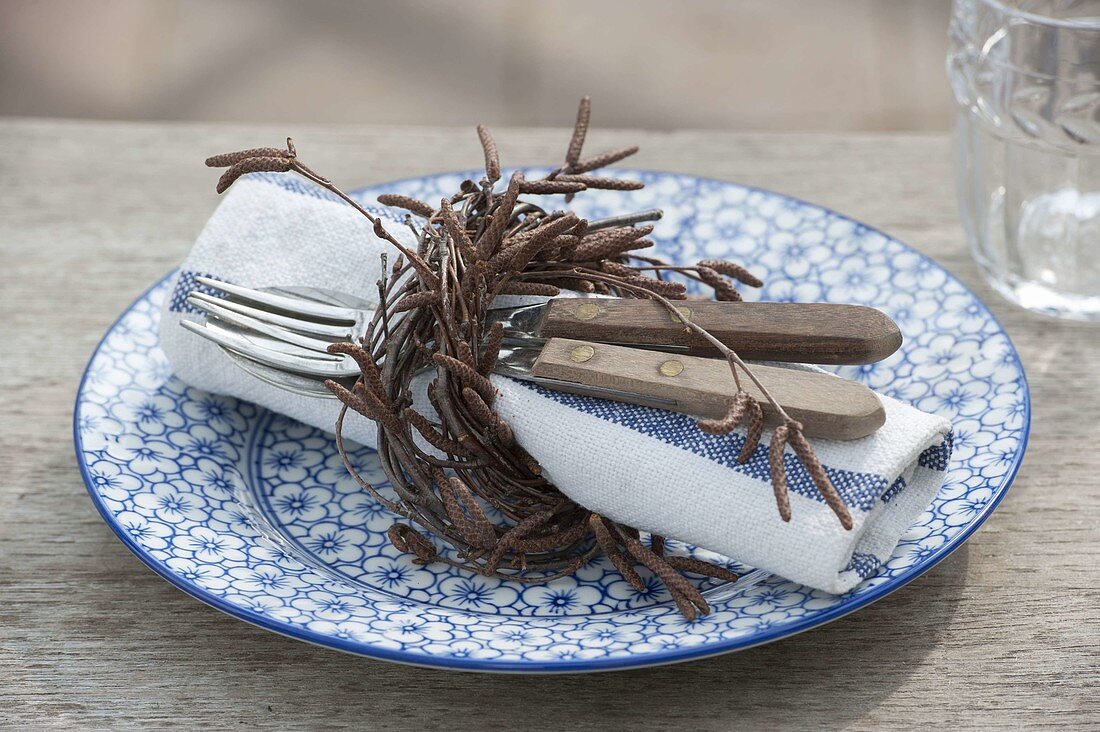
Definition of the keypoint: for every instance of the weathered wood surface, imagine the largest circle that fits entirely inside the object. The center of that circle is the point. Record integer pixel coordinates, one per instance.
(1002, 634)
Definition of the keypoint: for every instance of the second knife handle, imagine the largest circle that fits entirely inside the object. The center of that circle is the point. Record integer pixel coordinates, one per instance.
(826, 405)
(822, 333)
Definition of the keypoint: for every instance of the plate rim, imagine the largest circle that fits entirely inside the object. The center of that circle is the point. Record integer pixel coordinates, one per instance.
(660, 658)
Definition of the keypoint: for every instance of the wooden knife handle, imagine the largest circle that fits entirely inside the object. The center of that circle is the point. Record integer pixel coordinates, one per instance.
(823, 333)
(826, 405)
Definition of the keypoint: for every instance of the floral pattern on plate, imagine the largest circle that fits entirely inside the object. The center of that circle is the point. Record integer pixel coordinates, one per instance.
(254, 513)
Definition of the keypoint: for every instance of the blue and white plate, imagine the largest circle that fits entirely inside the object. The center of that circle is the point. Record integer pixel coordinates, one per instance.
(254, 514)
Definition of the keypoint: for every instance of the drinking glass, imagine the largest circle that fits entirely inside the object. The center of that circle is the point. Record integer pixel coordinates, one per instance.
(1026, 77)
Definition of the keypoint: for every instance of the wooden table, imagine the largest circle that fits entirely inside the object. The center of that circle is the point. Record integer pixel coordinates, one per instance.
(1003, 633)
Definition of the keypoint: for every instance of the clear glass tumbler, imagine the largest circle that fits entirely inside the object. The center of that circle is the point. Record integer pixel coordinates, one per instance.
(1026, 76)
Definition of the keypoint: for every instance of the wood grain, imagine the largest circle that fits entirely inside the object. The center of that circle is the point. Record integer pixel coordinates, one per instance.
(822, 333)
(1000, 635)
(827, 406)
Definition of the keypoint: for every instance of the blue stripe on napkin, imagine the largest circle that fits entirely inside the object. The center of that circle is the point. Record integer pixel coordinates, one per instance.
(898, 486)
(859, 490)
(185, 285)
(864, 565)
(938, 457)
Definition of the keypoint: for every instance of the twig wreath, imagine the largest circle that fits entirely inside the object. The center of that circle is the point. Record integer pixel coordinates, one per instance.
(478, 244)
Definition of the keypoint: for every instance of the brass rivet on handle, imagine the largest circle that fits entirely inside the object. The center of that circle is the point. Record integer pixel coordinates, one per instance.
(672, 367)
(587, 310)
(580, 354)
(686, 312)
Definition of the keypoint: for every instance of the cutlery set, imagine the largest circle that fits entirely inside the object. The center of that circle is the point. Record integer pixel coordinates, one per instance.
(627, 350)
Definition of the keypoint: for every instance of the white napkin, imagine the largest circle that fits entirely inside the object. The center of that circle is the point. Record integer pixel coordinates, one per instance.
(647, 468)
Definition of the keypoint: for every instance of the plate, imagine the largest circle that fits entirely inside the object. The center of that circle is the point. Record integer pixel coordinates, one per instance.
(252, 512)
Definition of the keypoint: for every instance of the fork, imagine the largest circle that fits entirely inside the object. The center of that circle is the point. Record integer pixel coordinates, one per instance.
(281, 336)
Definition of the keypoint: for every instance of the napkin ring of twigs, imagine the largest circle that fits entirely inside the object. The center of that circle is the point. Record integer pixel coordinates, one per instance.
(461, 480)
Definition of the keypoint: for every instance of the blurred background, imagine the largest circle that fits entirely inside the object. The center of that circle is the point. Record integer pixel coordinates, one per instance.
(720, 64)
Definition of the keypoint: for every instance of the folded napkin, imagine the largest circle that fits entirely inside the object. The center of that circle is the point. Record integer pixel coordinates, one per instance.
(644, 467)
